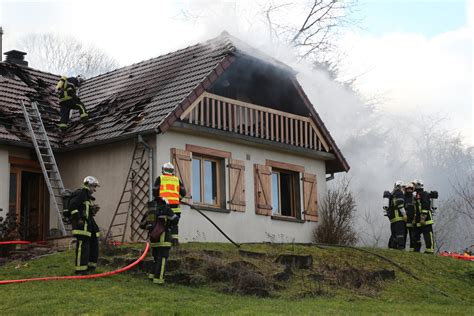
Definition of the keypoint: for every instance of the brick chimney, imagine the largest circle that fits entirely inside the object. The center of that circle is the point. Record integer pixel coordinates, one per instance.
(16, 57)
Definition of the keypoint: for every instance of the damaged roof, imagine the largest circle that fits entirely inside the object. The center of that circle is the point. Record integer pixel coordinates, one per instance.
(145, 97)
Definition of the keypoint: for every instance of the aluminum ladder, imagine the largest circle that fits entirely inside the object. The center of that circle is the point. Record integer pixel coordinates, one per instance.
(136, 193)
(46, 158)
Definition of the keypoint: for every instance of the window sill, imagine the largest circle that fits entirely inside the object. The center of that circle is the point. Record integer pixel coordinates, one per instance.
(287, 219)
(210, 208)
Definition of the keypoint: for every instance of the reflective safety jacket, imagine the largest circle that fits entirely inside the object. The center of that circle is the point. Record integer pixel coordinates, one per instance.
(396, 206)
(423, 208)
(82, 209)
(66, 88)
(170, 188)
(410, 208)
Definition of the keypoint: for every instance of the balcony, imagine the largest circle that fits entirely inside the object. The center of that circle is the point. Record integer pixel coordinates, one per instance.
(225, 114)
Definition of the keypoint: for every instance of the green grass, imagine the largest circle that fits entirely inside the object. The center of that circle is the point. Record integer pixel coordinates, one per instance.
(132, 294)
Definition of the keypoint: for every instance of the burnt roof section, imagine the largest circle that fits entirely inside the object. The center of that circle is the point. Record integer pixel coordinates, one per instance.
(146, 97)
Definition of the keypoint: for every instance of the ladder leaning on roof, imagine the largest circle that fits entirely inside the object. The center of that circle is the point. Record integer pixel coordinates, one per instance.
(46, 158)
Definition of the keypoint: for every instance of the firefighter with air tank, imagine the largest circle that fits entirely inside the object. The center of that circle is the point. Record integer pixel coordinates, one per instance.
(416, 215)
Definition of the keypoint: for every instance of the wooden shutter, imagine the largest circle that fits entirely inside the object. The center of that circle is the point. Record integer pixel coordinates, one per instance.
(181, 160)
(263, 189)
(236, 185)
(310, 197)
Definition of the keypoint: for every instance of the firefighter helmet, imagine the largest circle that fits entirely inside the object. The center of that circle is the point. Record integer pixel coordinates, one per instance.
(409, 185)
(91, 181)
(167, 168)
(418, 184)
(80, 79)
(398, 184)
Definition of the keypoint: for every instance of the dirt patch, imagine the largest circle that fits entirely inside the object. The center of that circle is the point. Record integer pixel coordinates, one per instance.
(213, 253)
(251, 254)
(11, 253)
(296, 261)
(363, 281)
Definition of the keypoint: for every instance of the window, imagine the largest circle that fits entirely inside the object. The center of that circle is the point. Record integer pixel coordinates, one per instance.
(285, 193)
(208, 181)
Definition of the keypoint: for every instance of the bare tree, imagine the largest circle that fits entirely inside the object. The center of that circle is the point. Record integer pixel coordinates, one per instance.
(375, 231)
(313, 33)
(65, 55)
(336, 216)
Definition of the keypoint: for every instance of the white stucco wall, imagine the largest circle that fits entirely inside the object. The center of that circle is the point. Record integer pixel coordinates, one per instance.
(110, 164)
(241, 226)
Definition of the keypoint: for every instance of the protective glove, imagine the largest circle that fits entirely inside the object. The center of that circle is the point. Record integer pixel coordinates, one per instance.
(422, 219)
(95, 209)
(405, 218)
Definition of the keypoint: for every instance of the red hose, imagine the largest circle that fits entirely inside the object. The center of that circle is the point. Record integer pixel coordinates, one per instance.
(92, 276)
(15, 242)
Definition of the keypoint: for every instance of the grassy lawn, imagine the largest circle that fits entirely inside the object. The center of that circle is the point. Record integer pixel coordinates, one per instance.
(132, 294)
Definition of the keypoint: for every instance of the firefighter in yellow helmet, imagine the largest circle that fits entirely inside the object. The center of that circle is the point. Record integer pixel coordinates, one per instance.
(170, 187)
(68, 99)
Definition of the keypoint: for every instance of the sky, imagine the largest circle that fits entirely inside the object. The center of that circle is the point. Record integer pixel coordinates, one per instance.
(416, 56)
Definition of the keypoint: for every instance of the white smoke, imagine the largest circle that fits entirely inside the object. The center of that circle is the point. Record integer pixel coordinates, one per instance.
(381, 146)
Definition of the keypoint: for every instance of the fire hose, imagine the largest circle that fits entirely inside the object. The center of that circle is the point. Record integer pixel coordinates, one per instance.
(15, 242)
(91, 276)
(205, 216)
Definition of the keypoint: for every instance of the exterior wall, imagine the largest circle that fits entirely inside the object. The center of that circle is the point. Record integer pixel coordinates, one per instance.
(5, 152)
(109, 164)
(240, 226)
(4, 180)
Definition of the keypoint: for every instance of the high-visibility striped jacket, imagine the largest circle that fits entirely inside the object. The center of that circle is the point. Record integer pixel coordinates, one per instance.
(66, 88)
(82, 210)
(396, 206)
(423, 215)
(170, 188)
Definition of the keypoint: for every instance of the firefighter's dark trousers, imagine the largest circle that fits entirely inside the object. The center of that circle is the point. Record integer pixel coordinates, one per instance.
(68, 105)
(427, 232)
(397, 235)
(411, 233)
(416, 238)
(174, 228)
(160, 251)
(87, 253)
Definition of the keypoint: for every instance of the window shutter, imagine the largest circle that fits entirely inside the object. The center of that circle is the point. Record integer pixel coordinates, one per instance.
(181, 160)
(310, 197)
(263, 189)
(236, 185)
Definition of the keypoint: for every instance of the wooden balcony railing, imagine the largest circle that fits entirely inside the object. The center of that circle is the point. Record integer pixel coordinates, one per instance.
(226, 114)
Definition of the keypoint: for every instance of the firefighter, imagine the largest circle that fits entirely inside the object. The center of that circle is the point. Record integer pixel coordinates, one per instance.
(68, 99)
(397, 217)
(410, 211)
(161, 221)
(84, 227)
(423, 218)
(171, 188)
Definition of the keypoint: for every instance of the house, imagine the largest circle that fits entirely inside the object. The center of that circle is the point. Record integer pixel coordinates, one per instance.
(249, 146)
